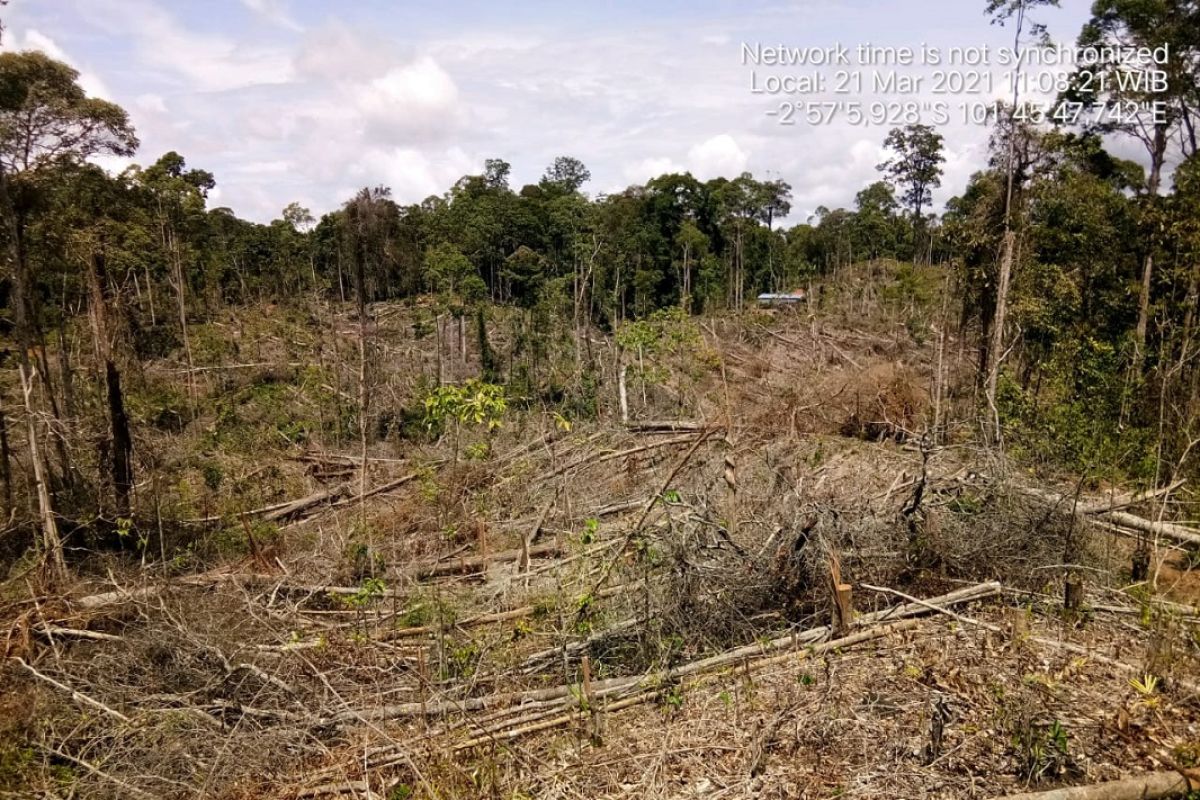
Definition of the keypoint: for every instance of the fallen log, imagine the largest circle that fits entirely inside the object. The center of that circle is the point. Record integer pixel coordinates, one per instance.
(283, 510)
(378, 490)
(343, 459)
(303, 504)
(1135, 499)
(965, 595)
(334, 495)
(600, 459)
(244, 579)
(465, 566)
(620, 508)
(460, 566)
(487, 619)
(1070, 647)
(1167, 530)
(122, 595)
(1107, 512)
(647, 691)
(665, 426)
(637, 683)
(1142, 787)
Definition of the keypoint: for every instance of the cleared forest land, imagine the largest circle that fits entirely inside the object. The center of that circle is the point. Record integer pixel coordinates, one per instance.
(754, 555)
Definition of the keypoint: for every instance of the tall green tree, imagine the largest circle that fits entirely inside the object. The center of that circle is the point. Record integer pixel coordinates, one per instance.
(1152, 113)
(566, 174)
(46, 118)
(915, 166)
(877, 228)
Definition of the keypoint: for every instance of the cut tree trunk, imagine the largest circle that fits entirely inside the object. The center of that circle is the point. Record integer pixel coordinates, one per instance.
(5, 460)
(122, 441)
(623, 394)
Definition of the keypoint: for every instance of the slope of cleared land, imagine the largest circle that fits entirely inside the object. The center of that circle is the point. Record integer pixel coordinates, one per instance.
(580, 605)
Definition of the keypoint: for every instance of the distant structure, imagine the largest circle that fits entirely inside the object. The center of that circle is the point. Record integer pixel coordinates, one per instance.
(772, 300)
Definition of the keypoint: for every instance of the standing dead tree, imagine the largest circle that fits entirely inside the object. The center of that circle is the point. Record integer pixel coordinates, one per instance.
(51, 541)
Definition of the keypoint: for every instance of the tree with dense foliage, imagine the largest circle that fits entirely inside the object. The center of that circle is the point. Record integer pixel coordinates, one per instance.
(1153, 114)
(46, 122)
(915, 166)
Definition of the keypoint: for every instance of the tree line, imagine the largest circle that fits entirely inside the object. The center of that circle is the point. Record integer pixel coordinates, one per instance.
(1077, 272)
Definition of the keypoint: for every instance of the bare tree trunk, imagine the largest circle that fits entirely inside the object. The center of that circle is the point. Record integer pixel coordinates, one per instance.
(341, 280)
(150, 298)
(363, 402)
(441, 375)
(1158, 151)
(996, 346)
(122, 441)
(624, 395)
(181, 300)
(121, 466)
(5, 460)
(25, 324)
(51, 542)
(686, 300)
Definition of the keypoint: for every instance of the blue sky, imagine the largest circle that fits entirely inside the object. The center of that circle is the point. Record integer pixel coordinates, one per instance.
(302, 100)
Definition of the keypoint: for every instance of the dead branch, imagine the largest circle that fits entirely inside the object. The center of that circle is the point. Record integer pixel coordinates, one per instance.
(479, 563)
(77, 696)
(76, 633)
(99, 773)
(591, 460)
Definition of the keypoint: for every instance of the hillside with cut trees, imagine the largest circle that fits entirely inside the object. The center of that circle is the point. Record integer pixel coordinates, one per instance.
(518, 492)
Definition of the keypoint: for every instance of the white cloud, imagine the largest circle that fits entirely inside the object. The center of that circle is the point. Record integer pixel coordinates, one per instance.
(411, 174)
(207, 62)
(334, 52)
(36, 40)
(717, 157)
(419, 98)
(472, 46)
